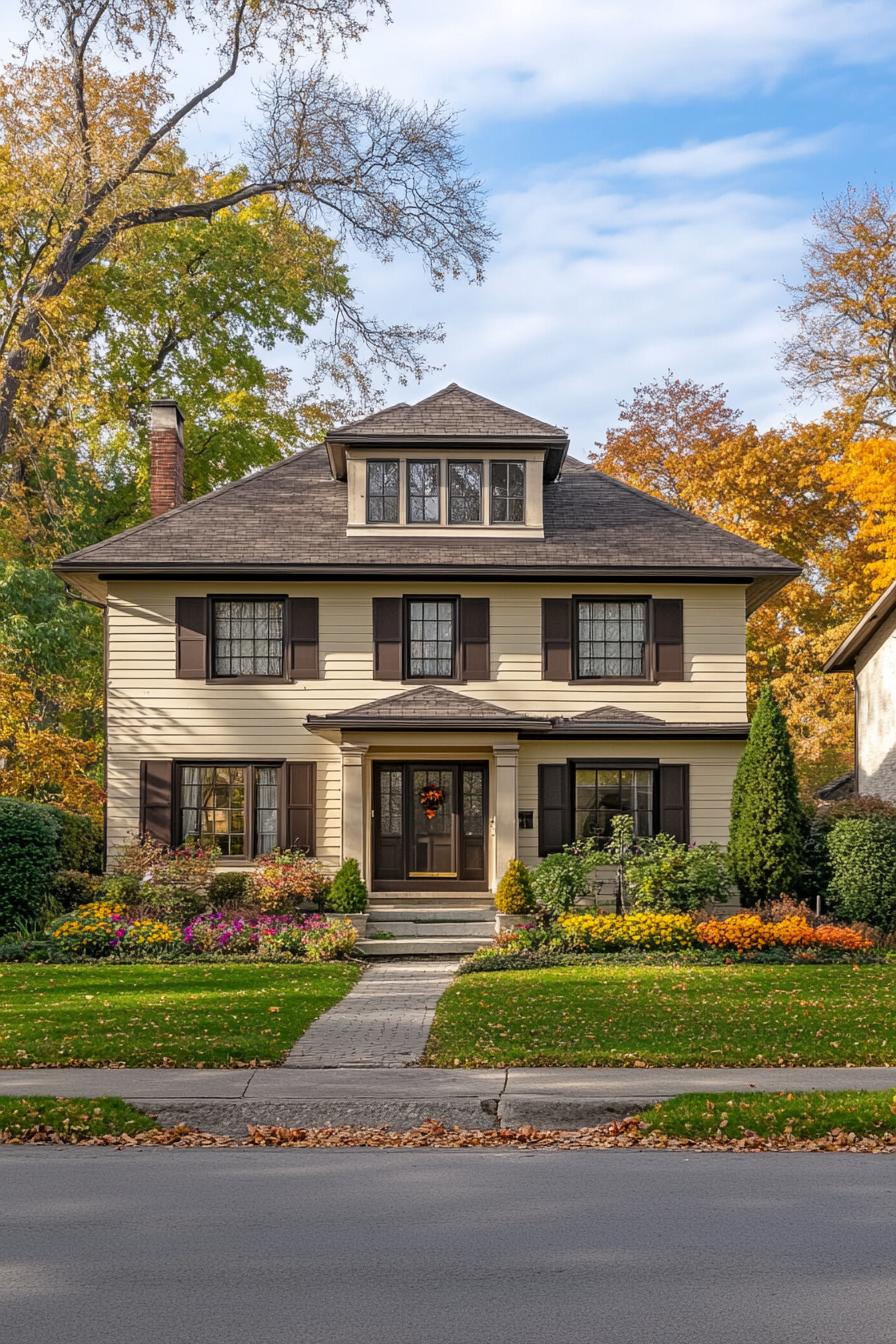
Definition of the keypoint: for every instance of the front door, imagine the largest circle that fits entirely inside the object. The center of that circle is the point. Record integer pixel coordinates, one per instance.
(429, 825)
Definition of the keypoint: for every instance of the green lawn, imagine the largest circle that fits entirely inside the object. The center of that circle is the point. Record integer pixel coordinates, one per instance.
(803, 1115)
(161, 1014)
(668, 1015)
(72, 1118)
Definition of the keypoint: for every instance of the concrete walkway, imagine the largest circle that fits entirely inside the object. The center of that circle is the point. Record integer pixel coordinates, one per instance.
(226, 1099)
(382, 1023)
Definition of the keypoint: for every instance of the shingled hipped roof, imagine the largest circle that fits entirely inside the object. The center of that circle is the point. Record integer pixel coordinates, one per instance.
(435, 708)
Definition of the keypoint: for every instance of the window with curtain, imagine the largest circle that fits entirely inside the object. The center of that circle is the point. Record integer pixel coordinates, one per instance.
(248, 637)
(423, 492)
(431, 638)
(234, 808)
(508, 492)
(464, 492)
(601, 794)
(382, 492)
(611, 638)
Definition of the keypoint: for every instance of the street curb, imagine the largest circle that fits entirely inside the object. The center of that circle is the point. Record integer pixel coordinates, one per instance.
(232, 1117)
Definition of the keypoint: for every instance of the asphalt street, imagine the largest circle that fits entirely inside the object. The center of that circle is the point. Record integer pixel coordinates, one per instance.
(155, 1246)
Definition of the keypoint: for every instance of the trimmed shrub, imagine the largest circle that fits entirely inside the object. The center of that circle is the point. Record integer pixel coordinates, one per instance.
(514, 895)
(121, 889)
(663, 874)
(765, 844)
(170, 901)
(348, 894)
(560, 880)
(228, 889)
(863, 869)
(284, 879)
(80, 841)
(29, 859)
(74, 888)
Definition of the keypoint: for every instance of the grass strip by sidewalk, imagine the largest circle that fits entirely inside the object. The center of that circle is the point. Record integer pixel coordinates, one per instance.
(69, 1119)
(162, 1015)
(769, 1115)
(674, 1016)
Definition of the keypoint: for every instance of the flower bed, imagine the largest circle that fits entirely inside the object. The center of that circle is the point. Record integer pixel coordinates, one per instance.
(743, 937)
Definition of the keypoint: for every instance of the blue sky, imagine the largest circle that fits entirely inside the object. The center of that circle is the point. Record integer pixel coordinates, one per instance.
(652, 165)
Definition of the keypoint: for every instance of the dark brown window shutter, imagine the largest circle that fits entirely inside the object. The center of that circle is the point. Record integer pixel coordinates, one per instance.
(556, 638)
(301, 805)
(387, 660)
(303, 653)
(675, 806)
(191, 616)
(157, 800)
(668, 638)
(475, 662)
(554, 821)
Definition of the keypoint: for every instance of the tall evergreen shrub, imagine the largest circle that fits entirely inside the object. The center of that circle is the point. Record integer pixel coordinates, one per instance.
(765, 842)
(29, 859)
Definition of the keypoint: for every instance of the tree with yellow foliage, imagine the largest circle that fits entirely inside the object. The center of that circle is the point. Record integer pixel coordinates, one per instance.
(39, 763)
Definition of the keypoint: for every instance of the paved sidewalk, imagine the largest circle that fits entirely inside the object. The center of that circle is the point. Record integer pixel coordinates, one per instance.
(228, 1099)
(382, 1023)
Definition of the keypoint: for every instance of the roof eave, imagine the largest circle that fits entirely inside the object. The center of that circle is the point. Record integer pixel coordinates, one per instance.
(844, 656)
(411, 722)
(555, 446)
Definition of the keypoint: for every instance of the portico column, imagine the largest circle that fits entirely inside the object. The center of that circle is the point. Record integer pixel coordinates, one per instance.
(353, 837)
(505, 805)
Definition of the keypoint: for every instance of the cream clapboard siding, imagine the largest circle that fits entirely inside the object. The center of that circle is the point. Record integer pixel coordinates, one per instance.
(152, 713)
(875, 682)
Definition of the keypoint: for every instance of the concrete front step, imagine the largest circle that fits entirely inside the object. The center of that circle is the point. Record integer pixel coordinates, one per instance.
(433, 928)
(428, 900)
(419, 946)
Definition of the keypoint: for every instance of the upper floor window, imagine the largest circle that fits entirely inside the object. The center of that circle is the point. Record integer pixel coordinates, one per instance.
(423, 492)
(508, 492)
(611, 638)
(248, 637)
(432, 638)
(465, 492)
(382, 492)
(234, 808)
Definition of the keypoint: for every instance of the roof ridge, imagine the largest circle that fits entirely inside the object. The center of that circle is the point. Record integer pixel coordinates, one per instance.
(218, 491)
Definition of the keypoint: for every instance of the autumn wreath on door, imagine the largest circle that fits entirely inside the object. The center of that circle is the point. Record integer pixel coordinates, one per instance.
(431, 799)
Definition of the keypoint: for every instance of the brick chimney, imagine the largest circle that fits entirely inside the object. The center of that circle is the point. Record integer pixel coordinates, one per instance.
(166, 456)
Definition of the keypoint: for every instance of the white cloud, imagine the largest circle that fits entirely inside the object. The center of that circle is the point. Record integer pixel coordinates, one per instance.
(719, 158)
(518, 57)
(597, 288)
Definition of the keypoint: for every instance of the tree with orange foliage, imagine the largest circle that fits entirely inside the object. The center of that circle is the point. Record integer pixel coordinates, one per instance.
(684, 443)
(41, 764)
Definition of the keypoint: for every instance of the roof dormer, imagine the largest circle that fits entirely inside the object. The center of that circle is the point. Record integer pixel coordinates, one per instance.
(454, 463)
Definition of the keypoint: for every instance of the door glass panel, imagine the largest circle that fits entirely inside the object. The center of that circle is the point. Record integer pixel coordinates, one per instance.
(473, 813)
(390, 802)
(440, 822)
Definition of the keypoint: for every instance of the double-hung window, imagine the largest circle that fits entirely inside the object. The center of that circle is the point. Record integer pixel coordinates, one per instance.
(431, 645)
(508, 492)
(383, 480)
(234, 808)
(601, 794)
(611, 638)
(424, 486)
(248, 637)
(465, 492)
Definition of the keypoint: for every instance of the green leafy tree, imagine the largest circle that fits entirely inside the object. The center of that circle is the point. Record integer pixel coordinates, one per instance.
(765, 842)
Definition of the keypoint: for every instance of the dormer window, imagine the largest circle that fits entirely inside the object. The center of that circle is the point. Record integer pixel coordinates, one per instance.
(383, 489)
(465, 492)
(423, 492)
(508, 492)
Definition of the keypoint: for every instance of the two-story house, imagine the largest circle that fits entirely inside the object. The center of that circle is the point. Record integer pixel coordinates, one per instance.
(869, 653)
(432, 643)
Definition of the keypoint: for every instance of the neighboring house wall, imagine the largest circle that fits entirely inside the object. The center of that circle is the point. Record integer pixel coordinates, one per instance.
(153, 714)
(875, 674)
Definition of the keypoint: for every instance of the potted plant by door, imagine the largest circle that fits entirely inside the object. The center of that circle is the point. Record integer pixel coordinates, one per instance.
(514, 898)
(347, 897)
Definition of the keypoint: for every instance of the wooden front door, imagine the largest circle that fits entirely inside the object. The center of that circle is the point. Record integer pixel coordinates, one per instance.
(429, 825)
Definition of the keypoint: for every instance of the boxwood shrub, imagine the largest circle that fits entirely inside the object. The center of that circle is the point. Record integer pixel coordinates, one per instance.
(80, 841)
(862, 854)
(29, 858)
